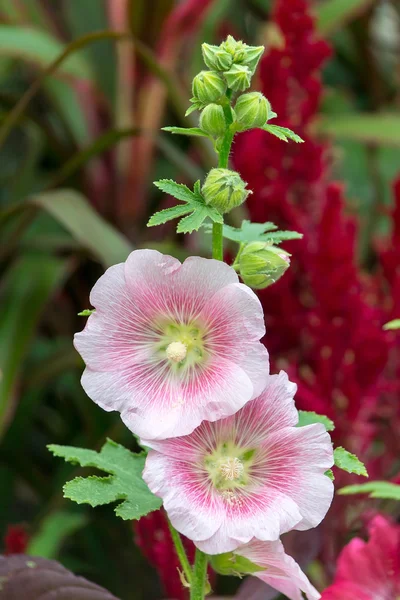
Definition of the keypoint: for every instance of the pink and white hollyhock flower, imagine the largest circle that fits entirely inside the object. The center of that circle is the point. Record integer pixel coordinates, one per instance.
(369, 570)
(251, 475)
(277, 569)
(172, 344)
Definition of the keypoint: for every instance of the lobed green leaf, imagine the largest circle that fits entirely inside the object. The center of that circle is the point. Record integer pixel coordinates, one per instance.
(283, 133)
(177, 190)
(124, 482)
(257, 232)
(349, 462)
(161, 217)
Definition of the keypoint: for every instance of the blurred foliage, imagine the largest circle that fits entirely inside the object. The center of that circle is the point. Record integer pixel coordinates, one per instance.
(85, 87)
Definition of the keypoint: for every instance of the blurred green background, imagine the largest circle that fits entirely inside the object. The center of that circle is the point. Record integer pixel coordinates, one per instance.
(85, 86)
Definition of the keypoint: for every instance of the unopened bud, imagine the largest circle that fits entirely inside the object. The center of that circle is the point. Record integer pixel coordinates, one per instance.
(212, 120)
(208, 86)
(224, 189)
(262, 264)
(231, 563)
(238, 78)
(251, 58)
(216, 58)
(252, 110)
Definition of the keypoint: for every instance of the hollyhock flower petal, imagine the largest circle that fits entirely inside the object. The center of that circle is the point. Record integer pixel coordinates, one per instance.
(252, 475)
(172, 344)
(281, 570)
(369, 570)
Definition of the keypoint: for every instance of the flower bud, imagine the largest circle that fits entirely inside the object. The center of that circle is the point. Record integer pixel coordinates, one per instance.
(251, 57)
(212, 120)
(216, 58)
(224, 189)
(230, 563)
(238, 78)
(262, 264)
(252, 110)
(208, 86)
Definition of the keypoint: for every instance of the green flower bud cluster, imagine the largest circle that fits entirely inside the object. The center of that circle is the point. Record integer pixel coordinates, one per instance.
(224, 190)
(262, 264)
(231, 66)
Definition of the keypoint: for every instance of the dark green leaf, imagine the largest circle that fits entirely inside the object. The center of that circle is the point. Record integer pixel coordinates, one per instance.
(123, 483)
(374, 489)
(377, 128)
(308, 418)
(28, 286)
(53, 531)
(73, 211)
(335, 14)
(349, 462)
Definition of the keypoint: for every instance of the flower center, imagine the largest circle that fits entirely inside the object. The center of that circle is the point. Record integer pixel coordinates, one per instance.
(184, 345)
(231, 468)
(176, 351)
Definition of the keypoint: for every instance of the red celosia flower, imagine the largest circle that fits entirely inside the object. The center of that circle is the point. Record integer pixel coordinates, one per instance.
(369, 570)
(324, 317)
(15, 540)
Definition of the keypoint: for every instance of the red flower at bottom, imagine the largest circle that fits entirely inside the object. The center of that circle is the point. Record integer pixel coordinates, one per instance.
(369, 570)
(15, 540)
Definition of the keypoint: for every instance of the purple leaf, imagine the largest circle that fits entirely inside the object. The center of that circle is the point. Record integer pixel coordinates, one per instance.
(33, 578)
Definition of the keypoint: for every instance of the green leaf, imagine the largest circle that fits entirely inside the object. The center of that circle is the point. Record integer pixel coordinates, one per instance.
(257, 232)
(40, 47)
(73, 211)
(374, 489)
(177, 190)
(87, 312)
(161, 217)
(349, 462)
(283, 133)
(329, 473)
(53, 531)
(377, 128)
(395, 324)
(288, 133)
(277, 237)
(186, 131)
(195, 207)
(309, 417)
(194, 221)
(124, 482)
(27, 287)
(334, 14)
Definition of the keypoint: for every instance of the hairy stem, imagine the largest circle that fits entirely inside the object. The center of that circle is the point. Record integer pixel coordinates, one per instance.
(223, 163)
(181, 553)
(197, 589)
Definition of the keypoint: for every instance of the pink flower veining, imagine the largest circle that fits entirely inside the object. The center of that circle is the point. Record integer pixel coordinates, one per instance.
(172, 344)
(251, 475)
(281, 571)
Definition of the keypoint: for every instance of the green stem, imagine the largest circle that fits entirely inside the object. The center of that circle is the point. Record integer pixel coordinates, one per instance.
(223, 162)
(181, 553)
(218, 241)
(197, 589)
